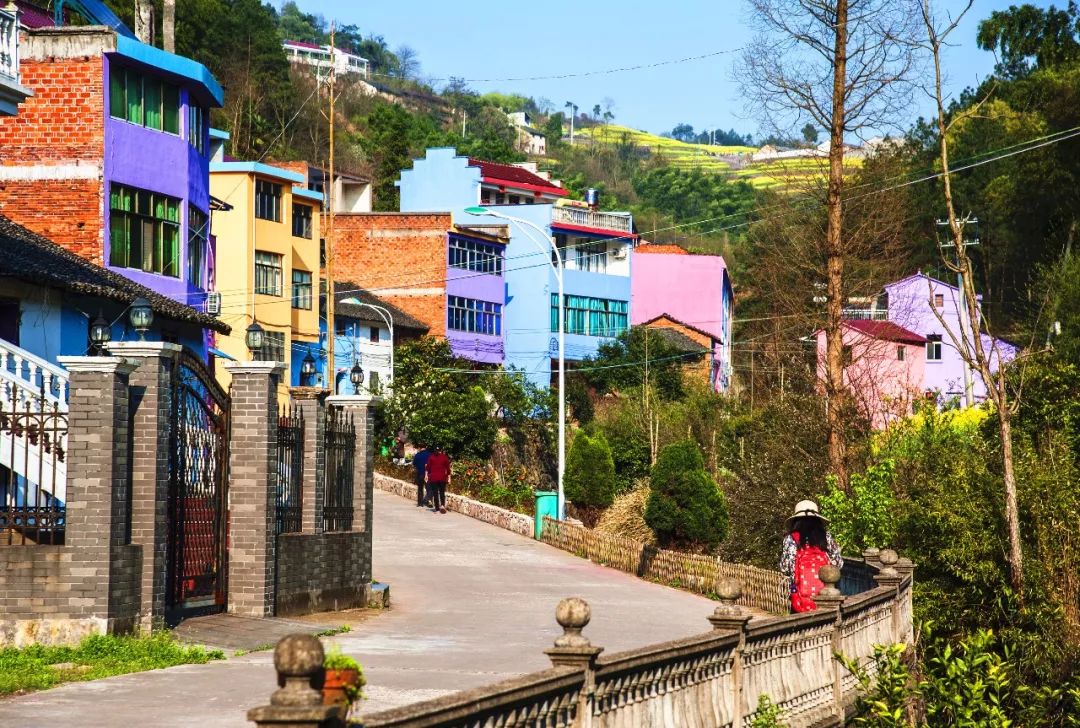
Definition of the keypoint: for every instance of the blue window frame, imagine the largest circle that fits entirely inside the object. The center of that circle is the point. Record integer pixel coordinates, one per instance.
(473, 316)
(591, 316)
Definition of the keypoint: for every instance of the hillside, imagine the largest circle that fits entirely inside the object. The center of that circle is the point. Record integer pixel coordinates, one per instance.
(785, 174)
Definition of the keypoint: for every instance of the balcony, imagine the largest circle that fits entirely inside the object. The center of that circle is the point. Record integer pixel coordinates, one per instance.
(866, 314)
(12, 93)
(616, 221)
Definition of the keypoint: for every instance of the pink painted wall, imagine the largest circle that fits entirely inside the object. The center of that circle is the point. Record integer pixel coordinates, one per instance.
(884, 386)
(695, 289)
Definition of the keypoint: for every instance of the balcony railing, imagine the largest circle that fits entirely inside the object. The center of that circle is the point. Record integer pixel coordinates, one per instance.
(617, 221)
(9, 45)
(866, 314)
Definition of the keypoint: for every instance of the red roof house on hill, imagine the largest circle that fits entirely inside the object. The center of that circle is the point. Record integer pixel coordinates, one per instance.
(513, 184)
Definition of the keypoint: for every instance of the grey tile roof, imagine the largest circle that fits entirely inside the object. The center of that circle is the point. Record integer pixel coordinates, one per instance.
(346, 290)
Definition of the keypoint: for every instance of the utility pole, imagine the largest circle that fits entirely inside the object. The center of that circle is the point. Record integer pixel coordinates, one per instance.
(573, 112)
(464, 117)
(969, 389)
(331, 294)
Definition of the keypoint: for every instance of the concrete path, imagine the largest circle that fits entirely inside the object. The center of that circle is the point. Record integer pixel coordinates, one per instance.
(472, 604)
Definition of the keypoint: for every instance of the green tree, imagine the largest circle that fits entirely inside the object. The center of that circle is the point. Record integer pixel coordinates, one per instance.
(865, 518)
(459, 422)
(810, 134)
(1026, 33)
(686, 507)
(637, 357)
(590, 471)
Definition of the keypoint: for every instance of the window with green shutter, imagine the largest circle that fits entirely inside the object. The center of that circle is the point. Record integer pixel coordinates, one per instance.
(144, 101)
(144, 230)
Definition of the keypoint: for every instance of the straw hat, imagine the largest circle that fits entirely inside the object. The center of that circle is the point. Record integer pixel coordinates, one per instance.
(805, 509)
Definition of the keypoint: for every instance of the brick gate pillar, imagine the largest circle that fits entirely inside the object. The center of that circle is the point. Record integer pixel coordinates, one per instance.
(362, 410)
(104, 569)
(252, 486)
(151, 410)
(311, 403)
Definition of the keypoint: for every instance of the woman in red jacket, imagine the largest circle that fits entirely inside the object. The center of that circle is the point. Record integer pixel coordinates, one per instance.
(438, 477)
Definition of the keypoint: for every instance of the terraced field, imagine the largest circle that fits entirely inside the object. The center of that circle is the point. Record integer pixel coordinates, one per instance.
(789, 174)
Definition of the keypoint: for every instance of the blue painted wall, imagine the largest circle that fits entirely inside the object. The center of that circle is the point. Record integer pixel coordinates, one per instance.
(440, 181)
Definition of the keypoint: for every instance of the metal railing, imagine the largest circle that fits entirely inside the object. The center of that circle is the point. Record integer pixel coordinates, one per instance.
(339, 447)
(866, 314)
(9, 44)
(617, 221)
(290, 471)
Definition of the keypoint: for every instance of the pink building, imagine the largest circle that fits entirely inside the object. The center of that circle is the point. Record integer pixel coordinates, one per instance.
(695, 290)
(884, 367)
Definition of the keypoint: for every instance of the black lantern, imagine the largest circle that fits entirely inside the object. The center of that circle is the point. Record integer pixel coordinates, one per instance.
(356, 376)
(141, 316)
(254, 338)
(307, 369)
(100, 332)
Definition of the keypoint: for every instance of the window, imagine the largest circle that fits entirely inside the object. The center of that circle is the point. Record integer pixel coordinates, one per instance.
(373, 381)
(143, 101)
(939, 300)
(900, 353)
(591, 316)
(500, 198)
(198, 234)
(301, 290)
(273, 348)
(933, 347)
(591, 257)
(478, 317)
(373, 334)
(267, 273)
(267, 200)
(475, 256)
(144, 231)
(301, 221)
(515, 200)
(197, 127)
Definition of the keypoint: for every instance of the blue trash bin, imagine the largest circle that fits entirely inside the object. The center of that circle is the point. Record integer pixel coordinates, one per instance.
(547, 504)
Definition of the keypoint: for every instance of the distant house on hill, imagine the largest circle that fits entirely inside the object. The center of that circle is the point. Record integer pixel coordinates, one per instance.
(529, 139)
(325, 57)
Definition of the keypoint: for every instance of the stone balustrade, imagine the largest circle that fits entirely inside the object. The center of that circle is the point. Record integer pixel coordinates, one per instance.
(711, 679)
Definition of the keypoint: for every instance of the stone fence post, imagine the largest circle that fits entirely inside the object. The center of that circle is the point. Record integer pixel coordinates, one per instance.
(729, 616)
(311, 403)
(253, 486)
(829, 599)
(362, 410)
(151, 409)
(298, 660)
(573, 649)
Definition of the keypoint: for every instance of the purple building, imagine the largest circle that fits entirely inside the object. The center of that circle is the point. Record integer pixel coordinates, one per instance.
(475, 294)
(931, 308)
(109, 158)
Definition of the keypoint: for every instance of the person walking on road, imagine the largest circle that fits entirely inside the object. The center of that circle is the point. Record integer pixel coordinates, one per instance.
(419, 462)
(438, 477)
(808, 546)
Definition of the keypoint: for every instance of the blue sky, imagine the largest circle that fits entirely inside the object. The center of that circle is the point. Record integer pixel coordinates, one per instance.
(512, 40)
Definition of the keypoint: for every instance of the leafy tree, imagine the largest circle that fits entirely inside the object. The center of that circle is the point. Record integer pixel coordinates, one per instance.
(693, 194)
(1026, 33)
(459, 422)
(634, 358)
(810, 134)
(295, 24)
(590, 471)
(683, 133)
(866, 517)
(553, 129)
(686, 507)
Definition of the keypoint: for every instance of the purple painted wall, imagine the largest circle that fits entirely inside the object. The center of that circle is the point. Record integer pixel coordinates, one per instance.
(477, 347)
(910, 306)
(159, 162)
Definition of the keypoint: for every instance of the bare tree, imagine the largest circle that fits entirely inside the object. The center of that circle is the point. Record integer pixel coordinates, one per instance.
(845, 66)
(979, 350)
(408, 65)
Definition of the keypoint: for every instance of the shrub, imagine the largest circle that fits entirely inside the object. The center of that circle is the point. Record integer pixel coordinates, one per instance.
(590, 471)
(686, 507)
(460, 422)
(866, 518)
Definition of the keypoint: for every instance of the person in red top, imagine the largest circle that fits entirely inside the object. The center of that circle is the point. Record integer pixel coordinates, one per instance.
(438, 477)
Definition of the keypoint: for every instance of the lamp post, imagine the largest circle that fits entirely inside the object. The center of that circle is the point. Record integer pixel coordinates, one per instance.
(254, 338)
(141, 316)
(356, 376)
(307, 368)
(558, 268)
(100, 333)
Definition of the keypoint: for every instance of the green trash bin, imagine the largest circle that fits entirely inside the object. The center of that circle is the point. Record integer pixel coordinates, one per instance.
(547, 504)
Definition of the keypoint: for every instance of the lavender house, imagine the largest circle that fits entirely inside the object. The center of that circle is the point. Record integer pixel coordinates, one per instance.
(931, 308)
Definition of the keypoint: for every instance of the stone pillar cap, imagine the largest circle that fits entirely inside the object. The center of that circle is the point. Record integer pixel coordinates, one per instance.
(143, 348)
(342, 400)
(97, 364)
(254, 367)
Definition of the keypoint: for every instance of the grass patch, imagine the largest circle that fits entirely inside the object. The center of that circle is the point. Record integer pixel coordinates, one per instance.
(334, 630)
(39, 667)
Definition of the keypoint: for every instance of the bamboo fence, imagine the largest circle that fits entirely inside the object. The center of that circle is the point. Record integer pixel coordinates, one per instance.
(762, 588)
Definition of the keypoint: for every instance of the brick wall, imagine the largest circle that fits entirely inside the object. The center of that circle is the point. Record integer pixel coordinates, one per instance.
(320, 572)
(400, 257)
(59, 132)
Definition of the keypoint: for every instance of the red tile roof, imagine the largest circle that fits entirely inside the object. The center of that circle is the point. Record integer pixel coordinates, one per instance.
(303, 44)
(886, 331)
(660, 248)
(512, 175)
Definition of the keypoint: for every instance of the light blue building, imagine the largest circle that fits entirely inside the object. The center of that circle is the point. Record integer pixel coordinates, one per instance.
(596, 248)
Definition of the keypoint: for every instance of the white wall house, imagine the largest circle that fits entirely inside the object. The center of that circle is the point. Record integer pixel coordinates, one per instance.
(322, 56)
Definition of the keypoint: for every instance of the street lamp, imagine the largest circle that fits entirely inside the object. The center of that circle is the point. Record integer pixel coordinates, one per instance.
(141, 316)
(558, 268)
(307, 369)
(385, 314)
(356, 376)
(100, 332)
(254, 338)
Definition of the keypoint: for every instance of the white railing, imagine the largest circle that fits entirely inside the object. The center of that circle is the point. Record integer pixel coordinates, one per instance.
(618, 221)
(866, 314)
(36, 392)
(9, 44)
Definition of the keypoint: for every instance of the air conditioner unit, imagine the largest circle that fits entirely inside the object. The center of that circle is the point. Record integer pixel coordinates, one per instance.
(619, 253)
(213, 303)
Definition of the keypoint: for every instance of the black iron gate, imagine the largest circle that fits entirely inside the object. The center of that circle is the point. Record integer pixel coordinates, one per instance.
(340, 447)
(197, 503)
(290, 472)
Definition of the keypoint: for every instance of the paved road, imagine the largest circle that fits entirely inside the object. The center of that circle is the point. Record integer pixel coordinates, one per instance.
(472, 604)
